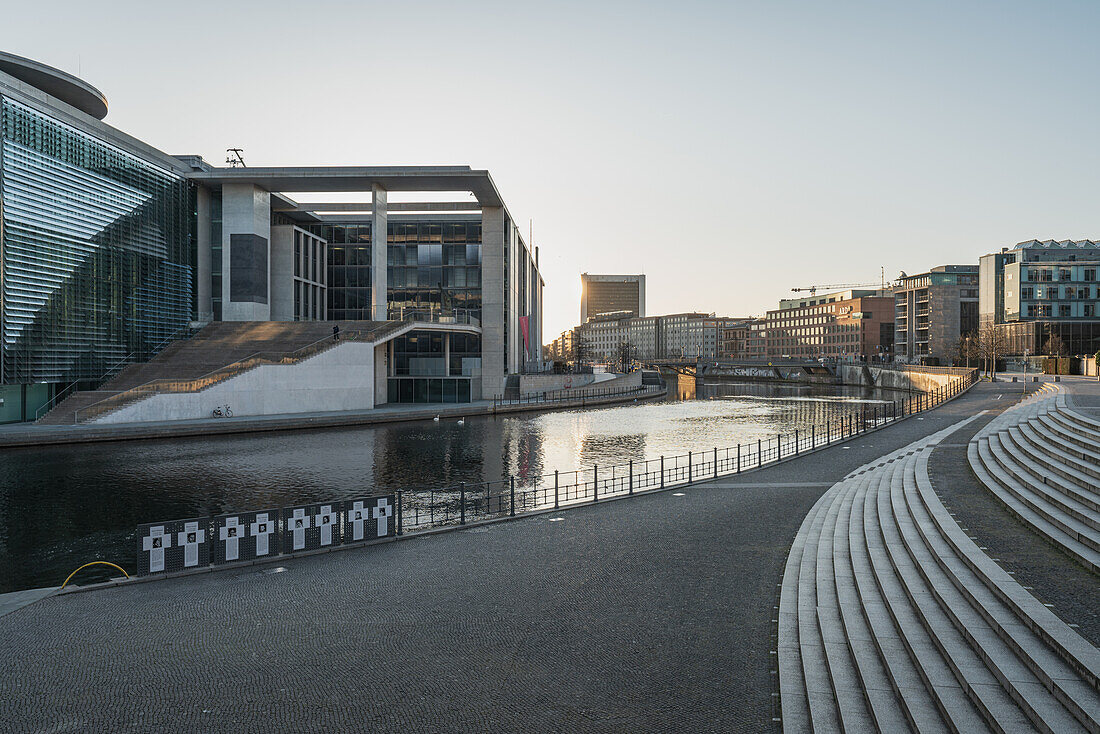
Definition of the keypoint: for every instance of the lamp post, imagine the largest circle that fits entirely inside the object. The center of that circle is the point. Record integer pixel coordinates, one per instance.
(1026, 352)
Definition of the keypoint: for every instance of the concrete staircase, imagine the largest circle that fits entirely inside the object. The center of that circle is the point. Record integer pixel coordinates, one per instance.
(216, 346)
(892, 619)
(1042, 461)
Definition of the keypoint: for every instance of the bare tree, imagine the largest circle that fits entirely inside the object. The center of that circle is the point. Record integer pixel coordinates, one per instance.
(582, 349)
(992, 343)
(968, 349)
(1054, 346)
(625, 355)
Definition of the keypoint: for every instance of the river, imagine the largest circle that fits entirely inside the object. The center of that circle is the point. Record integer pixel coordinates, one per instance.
(61, 506)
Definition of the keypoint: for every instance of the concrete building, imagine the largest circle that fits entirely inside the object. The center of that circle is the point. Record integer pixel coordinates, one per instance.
(111, 249)
(672, 336)
(932, 311)
(1043, 292)
(846, 326)
(736, 338)
(602, 294)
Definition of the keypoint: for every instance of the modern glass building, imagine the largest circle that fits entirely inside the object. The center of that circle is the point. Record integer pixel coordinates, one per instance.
(1043, 296)
(110, 250)
(97, 257)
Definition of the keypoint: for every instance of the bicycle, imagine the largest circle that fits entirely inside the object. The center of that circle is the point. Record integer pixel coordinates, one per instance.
(223, 412)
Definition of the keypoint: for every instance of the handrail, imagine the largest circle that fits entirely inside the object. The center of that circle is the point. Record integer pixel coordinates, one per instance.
(112, 370)
(197, 384)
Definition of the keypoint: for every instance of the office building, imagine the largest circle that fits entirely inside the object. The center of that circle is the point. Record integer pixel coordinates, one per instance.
(1041, 293)
(677, 336)
(932, 311)
(111, 249)
(849, 326)
(601, 294)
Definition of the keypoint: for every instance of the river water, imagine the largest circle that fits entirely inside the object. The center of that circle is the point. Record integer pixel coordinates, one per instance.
(61, 506)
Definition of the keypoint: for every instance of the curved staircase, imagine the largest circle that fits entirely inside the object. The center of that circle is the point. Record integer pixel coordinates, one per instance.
(892, 619)
(1042, 460)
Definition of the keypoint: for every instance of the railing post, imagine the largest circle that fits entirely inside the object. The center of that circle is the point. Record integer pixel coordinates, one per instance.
(512, 492)
(778, 446)
(715, 462)
(796, 442)
(689, 467)
(462, 503)
(555, 489)
(813, 436)
(595, 483)
(759, 456)
(400, 514)
(662, 471)
(738, 458)
(630, 483)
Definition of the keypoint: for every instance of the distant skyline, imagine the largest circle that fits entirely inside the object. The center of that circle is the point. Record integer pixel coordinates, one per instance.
(730, 151)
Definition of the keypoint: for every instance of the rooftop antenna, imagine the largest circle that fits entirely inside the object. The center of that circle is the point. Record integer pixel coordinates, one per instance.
(234, 158)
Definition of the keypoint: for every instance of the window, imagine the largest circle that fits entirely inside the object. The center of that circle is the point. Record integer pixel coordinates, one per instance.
(1090, 274)
(1064, 274)
(1064, 310)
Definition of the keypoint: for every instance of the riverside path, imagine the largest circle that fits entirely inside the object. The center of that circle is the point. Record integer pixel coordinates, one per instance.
(648, 614)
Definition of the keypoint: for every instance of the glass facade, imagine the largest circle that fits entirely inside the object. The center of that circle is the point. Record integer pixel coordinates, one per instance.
(432, 266)
(428, 369)
(98, 262)
(349, 269)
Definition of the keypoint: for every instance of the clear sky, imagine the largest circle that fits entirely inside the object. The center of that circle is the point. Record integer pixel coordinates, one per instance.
(729, 150)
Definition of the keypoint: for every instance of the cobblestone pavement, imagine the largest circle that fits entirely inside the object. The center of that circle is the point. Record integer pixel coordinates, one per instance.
(649, 614)
(1053, 577)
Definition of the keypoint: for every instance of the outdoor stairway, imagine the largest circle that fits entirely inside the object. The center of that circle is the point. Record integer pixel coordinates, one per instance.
(1042, 461)
(892, 619)
(215, 346)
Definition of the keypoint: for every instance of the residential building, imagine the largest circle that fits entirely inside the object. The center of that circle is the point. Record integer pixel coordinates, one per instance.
(847, 326)
(111, 249)
(932, 311)
(1039, 293)
(601, 294)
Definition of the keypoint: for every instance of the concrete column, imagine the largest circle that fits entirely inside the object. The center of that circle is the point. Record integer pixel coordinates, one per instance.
(379, 294)
(246, 253)
(492, 301)
(447, 354)
(205, 307)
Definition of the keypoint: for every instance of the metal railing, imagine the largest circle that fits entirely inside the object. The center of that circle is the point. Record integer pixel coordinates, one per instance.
(435, 316)
(581, 393)
(424, 509)
(465, 502)
(117, 367)
(198, 384)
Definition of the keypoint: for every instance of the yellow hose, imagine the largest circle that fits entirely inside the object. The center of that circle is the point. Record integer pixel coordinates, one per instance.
(105, 563)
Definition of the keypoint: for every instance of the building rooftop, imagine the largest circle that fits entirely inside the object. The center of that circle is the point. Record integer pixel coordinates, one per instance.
(56, 83)
(1055, 244)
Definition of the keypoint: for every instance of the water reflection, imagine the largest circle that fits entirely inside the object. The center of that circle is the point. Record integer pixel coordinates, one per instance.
(64, 506)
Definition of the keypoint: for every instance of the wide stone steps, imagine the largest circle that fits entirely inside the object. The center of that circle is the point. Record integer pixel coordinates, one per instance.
(1052, 423)
(1026, 459)
(892, 619)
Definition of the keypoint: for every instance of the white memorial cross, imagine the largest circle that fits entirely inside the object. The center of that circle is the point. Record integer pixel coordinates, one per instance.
(297, 525)
(261, 529)
(231, 534)
(154, 544)
(191, 538)
(383, 510)
(357, 516)
(325, 520)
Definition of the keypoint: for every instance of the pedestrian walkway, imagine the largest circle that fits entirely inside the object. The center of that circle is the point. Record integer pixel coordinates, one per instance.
(654, 613)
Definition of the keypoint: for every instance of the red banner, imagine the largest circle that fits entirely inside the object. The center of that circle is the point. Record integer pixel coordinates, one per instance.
(523, 328)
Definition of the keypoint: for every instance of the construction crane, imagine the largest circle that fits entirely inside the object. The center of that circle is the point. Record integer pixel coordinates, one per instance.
(235, 158)
(813, 288)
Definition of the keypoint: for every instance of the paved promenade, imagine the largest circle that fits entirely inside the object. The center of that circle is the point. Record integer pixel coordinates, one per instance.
(649, 614)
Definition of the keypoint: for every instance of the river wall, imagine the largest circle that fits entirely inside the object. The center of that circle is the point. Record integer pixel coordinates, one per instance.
(862, 376)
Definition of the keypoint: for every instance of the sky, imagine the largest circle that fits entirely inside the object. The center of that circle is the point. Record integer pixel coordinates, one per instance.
(729, 150)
